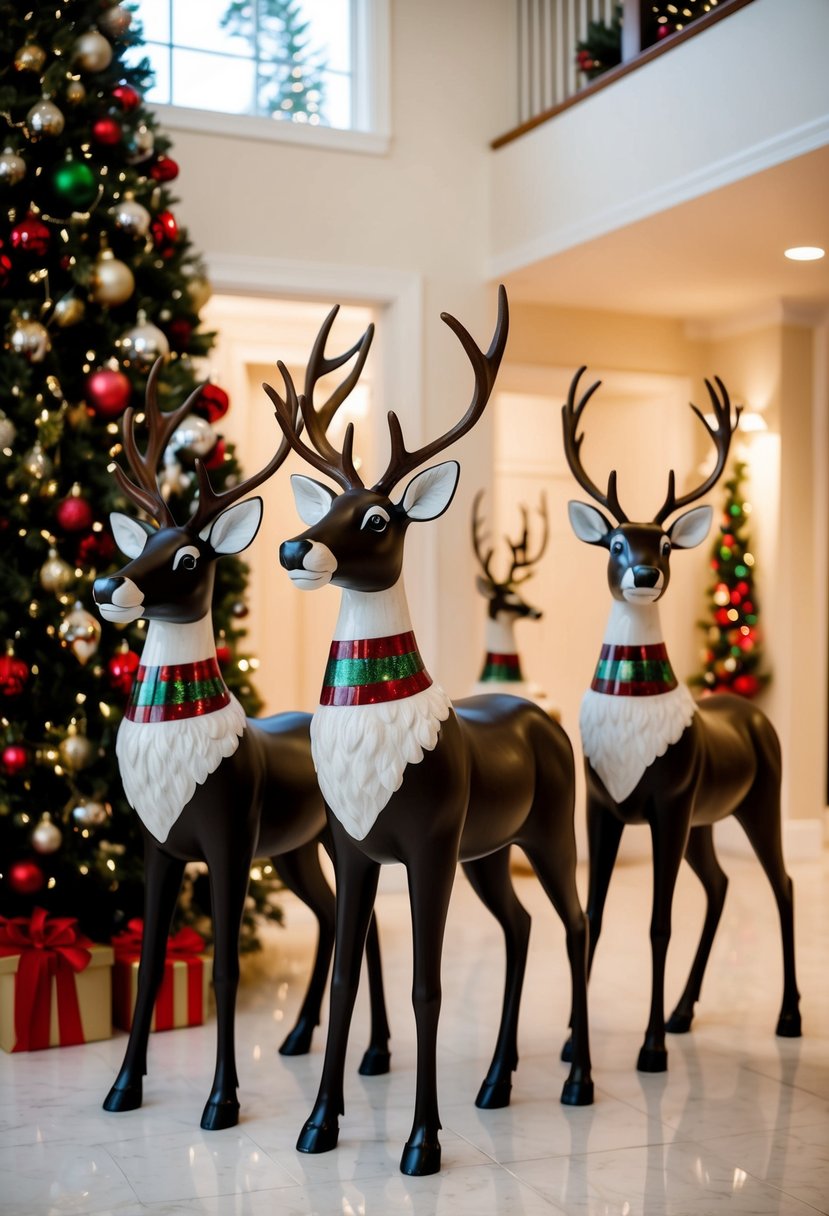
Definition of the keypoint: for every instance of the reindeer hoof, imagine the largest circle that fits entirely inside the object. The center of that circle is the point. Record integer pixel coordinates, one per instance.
(219, 1115)
(420, 1159)
(679, 1022)
(652, 1059)
(298, 1042)
(577, 1093)
(567, 1052)
(375, 1063)
(124, 1097)
(318, 1137)
(788, 1025)
(493, 1095)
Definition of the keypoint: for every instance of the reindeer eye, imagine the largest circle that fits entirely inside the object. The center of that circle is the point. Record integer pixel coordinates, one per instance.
(617, 547)
(375, 519)
(666, 547)
(187, 558)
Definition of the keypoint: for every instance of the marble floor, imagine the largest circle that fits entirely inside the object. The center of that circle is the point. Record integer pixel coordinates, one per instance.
(739, 1124)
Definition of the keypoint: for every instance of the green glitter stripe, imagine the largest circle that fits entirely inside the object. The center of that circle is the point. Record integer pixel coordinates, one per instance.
(175, 692)
(341, 672)
(630, 671)
(498, 673)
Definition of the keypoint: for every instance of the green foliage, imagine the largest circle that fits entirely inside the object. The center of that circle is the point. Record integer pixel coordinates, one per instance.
(290, 80)
(602, 47)
(52, 440)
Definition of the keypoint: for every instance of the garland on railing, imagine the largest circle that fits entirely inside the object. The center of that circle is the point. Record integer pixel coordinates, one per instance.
(602, 47)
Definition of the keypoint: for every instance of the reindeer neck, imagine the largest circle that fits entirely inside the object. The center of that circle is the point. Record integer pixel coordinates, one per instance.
(634, 660)
(179, 674)
(502, 664)
(374, 655)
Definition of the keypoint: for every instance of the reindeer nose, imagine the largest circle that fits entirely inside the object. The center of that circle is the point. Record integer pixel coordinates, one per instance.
(103, 589)
(292, 553)
(645, 576)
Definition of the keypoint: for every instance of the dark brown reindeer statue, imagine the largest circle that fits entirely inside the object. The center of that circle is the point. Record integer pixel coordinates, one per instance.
(208, 784)
(652, 754)
(407, 778)
(506, 605)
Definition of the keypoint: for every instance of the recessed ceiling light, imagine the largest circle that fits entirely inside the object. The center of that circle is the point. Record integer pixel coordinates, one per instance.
(805, 253)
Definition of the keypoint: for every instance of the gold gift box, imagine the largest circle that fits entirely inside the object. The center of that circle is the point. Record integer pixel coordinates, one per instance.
(94, 989)
(177, 974)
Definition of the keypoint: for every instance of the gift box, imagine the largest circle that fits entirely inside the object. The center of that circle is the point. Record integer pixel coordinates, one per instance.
(183, 995)
(55, 986)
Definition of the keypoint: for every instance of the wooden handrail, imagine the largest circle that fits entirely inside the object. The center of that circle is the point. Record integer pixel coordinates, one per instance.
(724, 9)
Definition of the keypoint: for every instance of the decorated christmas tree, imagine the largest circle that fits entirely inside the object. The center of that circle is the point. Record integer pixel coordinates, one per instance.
(733, 655)
(290, 80)
(661, 19)
(601, 47)
(97, 279)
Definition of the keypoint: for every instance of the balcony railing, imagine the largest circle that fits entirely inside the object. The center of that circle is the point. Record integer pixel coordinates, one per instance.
(549, 78)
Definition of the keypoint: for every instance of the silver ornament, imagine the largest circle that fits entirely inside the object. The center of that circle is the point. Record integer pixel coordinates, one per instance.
(90, 813)
(55, 573)
(46, 836)
(130, 217)
(29, 338)
(140, 144)
(8, 431)
(143, 344)
(80, 631)
(76, 751)
(172, 478)
(115, 21)
(12, 168)
(194, 435)
(69, 310)
(92, 52)
(112, 280)
(45, 118)
(36, 464)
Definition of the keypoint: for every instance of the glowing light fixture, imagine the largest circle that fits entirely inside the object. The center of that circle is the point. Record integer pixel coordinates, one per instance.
(805, 253)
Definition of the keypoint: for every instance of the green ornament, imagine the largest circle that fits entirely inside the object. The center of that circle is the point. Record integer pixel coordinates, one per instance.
(74, 183)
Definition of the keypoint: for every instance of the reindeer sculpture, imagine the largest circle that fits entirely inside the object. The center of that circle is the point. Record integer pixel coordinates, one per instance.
(505, 604)
(408, 778)
(655, 756)
(207, 783)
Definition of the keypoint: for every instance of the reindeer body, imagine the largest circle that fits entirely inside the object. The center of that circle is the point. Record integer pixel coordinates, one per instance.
(655, 756)
(442, 784)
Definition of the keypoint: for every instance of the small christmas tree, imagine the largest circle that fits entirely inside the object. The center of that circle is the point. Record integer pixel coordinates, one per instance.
(733, 657)
(290, 80)
(97, 279)
(601, 48)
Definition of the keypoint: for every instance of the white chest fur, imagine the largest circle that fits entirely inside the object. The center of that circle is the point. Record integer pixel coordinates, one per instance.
(161, 763)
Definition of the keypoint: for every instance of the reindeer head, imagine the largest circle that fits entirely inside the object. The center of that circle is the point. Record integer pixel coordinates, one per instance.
(355, 539)
(639, 566)
(504, 599)
(170, 574)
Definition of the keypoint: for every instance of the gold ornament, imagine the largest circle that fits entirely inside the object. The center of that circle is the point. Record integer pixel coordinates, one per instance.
(75, 92)
(12, 168)
(115, 21)
(28, 338)
(30, 58)
(76, 751)
(45, 118)
(80, 632)
(90, 813)
(69, 310)
(112, 280)
(8, 431)
(46, 836)
(55, 573)
(199, 290)
(92, 52)
(36, 464)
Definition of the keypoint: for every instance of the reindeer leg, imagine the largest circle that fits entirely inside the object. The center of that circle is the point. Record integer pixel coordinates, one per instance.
(162, 883)
(669, 833)
(490, 879)
(377, 1057)
(301, 873)
(356, 877)
(703, 861)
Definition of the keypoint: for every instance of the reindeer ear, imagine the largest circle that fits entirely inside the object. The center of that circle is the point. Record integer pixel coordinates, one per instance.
(588, 524)
(691, 528)
(312, 499)
(131, 535)
(235, 528)
(429, 494)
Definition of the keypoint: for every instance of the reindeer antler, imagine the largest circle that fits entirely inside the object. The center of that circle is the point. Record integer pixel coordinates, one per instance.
(721, 434)
(485, 367)
(323, 455)
(520, 558)
(571, 417)
(478, 539)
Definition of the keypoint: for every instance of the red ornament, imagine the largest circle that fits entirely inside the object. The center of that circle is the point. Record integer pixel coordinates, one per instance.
(164, 169)
(216, 458)
(31, 236)
(26, 877)
(126, 96)
(96, 550)
(108, 392)
(179, 331)
(15, 759)
(74, 514)
(212, 403)
(164, 229)
(13, 675)
(223, 654)
(106, 131)
(5, 268)
(746, 685)
(121, 670)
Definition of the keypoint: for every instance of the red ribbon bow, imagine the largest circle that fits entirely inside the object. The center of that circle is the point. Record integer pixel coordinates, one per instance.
(184, 944)
(47, 947)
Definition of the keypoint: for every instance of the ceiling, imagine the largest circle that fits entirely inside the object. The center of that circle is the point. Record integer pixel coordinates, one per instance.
(712, 258)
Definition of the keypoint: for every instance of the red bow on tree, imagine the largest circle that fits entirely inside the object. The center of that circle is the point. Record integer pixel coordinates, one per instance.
(47, 948)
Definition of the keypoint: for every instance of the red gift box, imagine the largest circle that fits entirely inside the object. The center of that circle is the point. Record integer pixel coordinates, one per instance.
(182, 996)
(54, 990)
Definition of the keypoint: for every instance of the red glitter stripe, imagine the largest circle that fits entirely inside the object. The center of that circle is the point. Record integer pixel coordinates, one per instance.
(638, 688)
(374, 694)
(503, 660)
(656, 652)
(374, 648)
(174, 713)
(204, 669)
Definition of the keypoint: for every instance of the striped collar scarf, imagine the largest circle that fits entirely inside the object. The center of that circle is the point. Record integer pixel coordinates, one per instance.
(634, 671)
(177, 690)
(372, 670)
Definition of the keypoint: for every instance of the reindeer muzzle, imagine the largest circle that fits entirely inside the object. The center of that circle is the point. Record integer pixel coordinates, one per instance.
(118, 599)
(309, 563)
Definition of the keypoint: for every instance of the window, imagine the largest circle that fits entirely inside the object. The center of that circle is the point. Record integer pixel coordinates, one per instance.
(291, 63)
